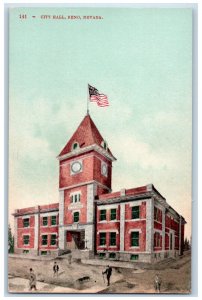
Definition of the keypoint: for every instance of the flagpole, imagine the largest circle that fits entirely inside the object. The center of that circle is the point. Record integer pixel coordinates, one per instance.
(87, 100)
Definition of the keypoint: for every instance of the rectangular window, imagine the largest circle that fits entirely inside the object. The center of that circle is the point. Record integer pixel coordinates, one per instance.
(75, 198)
(112, 238)
(113, 214)
(135, 212)
(26, 222)
(102, 214)
(44, 240)
(43, 252)
(76, 216)
(45, 221)
(134, 257)
(112, 255)
(155, 213)
(157, 239)
(102, 255)
(102, 238)
(53, 220)
(26, 239)
(25, 251)
(135, 239)
(53, 239)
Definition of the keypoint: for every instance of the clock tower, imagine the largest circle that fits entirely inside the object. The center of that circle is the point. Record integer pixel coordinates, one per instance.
(85, 172)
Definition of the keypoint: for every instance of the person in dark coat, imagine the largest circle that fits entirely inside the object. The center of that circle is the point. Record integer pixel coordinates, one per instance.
(108, 273)
(32, 280)
(55, 269)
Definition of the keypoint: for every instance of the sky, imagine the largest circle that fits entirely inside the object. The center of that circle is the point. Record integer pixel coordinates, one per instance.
(140, 58)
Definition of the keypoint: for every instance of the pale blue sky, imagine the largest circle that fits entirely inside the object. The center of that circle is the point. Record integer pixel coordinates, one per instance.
(140, 58)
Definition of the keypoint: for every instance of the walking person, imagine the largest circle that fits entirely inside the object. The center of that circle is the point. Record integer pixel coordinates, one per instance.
(157, 283)
(108, 273)
(55, 269)
(32, 280)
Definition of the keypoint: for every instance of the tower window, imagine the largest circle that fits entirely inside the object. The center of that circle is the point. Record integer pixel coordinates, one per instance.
(75, 146)
(75, 198)
(76, 216)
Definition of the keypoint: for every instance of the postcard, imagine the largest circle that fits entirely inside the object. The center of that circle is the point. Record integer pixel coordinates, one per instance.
(100, 147)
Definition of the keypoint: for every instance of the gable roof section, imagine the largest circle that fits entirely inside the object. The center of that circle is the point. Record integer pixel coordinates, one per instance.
(86, 134)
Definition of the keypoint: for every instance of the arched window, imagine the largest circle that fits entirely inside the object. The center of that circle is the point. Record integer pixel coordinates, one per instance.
(76, 216)
(75, 145)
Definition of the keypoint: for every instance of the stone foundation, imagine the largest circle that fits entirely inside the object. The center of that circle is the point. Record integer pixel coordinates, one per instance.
(33, 252)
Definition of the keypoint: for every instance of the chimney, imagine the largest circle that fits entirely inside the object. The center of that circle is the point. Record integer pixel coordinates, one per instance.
(123, 192)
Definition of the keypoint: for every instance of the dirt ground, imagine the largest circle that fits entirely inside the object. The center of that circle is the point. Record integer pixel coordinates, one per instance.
(174, 273)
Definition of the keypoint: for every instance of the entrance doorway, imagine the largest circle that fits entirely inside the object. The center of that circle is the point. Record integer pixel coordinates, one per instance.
(75, 239)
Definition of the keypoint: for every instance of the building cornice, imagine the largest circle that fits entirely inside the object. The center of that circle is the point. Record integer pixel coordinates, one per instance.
(122, 199)
(35, 212)
(85, 183)
(79, 151)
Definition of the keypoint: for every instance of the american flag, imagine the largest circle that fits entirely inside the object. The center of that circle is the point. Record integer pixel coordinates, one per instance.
(97, 97)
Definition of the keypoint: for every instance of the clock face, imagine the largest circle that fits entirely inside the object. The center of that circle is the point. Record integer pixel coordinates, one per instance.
(104, 169)
(76, 167)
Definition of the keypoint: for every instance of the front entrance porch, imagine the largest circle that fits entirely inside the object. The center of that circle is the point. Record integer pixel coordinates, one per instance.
(75, 239)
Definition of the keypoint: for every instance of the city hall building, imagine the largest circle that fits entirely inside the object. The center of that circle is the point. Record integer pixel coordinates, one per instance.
(134, 224)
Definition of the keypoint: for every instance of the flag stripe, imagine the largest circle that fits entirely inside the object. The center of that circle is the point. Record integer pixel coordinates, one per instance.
(95, 96)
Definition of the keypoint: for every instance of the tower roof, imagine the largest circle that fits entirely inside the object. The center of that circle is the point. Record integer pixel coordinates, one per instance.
(85, 135)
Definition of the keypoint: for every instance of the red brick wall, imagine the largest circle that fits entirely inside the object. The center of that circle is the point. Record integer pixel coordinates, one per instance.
(48, 246)
(132, 225)
(172, 224)
(66, 179)
(108, 213)
(91, 171)
(25, 231)
(157, 241)
(108, 247)
(182, 238)
(101, 190)
(68, 214)
(128, 211)
(157, 225)
(109, 226)
(48, 230)
(97, 171)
